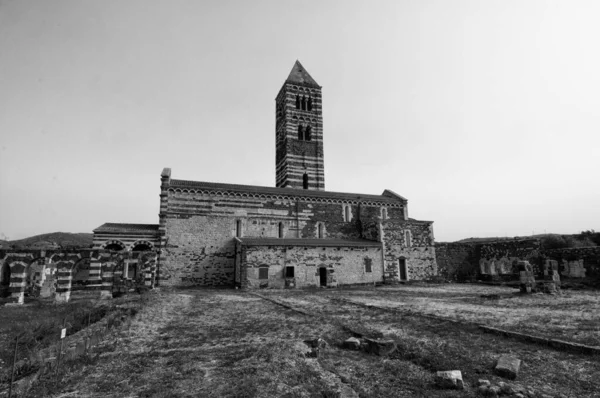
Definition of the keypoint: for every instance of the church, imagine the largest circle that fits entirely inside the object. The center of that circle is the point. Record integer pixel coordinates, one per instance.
(296, 234)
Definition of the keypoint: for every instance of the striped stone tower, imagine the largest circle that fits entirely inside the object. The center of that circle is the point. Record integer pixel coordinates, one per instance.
(299, 132)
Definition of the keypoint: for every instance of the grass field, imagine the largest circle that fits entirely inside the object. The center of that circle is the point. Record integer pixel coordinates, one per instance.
(226, 343)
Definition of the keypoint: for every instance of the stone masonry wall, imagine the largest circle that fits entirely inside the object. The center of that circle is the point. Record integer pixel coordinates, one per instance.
(416, 248)
(199, 246)
(470, 260)
(345, 265)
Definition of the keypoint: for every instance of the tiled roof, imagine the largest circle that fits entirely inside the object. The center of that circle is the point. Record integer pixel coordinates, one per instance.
(120, 227)
(284, 191)
(309, 242)
(299, 75)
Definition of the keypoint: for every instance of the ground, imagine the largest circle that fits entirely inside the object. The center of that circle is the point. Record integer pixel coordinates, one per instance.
(228, 343)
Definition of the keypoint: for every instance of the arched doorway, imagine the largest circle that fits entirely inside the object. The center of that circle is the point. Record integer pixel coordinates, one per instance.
(5, 281)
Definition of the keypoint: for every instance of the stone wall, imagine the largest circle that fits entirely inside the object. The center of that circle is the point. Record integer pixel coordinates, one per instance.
(50, 273)
(411, 242)
(200, 228)
(474, 260)
(343, 265)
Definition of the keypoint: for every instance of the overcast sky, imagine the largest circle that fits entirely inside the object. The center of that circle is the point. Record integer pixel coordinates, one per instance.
(484, 114)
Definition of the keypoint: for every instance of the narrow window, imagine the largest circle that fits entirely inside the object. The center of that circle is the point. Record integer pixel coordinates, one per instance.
(368, 266)
(289, 272)
(300, 132)
(309, 104)
(238, 228)
(347, 213)
(408, 238)
(297, 102)
(320, 230)
(281, 230)
(383, 213)
(303, 103)
(403, 269)
(307, 133)
(305, 181)
(263, 272)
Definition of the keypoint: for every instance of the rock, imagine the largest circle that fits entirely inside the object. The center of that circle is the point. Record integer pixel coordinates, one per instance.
(505, 388)
(494, 391)
(316, 345)
(345, 378)
(482, 390)
(508, 366)
(380, 347)
(449, 379)
(483, 382)
(352, 343)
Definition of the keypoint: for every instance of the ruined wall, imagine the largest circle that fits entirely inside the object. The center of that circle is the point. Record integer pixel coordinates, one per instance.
(345, 265)
(470, 260)
(573, 258)
(51, 273)
(501, 257)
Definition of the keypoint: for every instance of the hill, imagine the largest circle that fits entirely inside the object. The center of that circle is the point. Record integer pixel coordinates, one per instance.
(54, 240)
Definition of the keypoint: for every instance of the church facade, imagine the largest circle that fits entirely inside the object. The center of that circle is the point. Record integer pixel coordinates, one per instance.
(295, 234)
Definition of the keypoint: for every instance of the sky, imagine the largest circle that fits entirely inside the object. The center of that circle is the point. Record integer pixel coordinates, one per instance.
(484, 114)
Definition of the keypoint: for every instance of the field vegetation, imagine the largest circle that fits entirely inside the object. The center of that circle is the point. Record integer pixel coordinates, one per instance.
(226, 343)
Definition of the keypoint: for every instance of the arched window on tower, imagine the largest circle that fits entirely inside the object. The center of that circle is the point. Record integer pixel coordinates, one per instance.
(303, 103)
(305, 181)
(281, 230)
(300, 132)
(297, 102)
(307, 133)
(347, 213)
(408, 238)
(320, 230)
(238, 228)
(309, 104)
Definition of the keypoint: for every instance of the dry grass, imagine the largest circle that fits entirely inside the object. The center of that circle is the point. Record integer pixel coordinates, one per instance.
(211, 343)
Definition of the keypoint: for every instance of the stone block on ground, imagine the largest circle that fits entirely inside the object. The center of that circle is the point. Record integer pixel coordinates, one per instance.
(352, 343)
(449, 379)
(508, 366)
(379, 347)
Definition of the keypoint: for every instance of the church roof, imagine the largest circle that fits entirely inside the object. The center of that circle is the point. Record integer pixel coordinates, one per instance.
(121, 227)
(300, 193)
(299, 75)
(309, 242)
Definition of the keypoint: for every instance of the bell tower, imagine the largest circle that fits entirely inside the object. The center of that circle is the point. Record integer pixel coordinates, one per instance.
(299, 133)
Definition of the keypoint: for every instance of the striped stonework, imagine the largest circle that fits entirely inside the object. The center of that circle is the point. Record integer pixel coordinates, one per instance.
(299, 161)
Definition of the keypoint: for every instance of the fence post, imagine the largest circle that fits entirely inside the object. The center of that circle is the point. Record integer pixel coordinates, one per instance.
(61, 347)
(12, 377)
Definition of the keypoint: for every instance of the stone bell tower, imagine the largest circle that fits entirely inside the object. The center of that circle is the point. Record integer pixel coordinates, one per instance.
(299, 132)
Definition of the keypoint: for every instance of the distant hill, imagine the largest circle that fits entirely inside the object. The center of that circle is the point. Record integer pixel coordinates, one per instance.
(54, 240)
(549, 241)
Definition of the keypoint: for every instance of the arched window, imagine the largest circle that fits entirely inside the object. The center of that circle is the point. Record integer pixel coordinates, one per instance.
(297, 102)
(305, 181)
(347, 213)
(300, 132)
(281, 230)
(307, 133)
(309, 104)
(303, 103)
(238, 228)
(408, 238)
(320, 230)
(383, 213)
